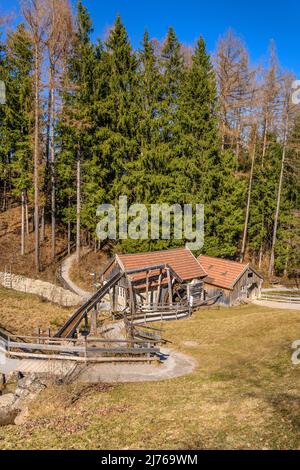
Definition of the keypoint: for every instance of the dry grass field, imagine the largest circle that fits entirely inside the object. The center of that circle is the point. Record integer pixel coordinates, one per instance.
(244, 393)
(22, 313)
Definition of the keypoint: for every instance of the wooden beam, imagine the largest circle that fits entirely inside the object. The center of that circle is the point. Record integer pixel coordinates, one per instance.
(131, 300)
(147, 287)
(170, 287)
(159, 287)
(94, 320)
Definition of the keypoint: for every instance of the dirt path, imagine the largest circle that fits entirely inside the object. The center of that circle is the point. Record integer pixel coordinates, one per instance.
(65, 273)
(174, 364)
(273, 304)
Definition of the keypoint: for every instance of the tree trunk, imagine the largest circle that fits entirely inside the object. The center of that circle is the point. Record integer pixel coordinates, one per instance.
(42, 235)
(264, 142)
(78, 210)
(248, 201)
(26, 215)
(4, 196)
(52, 163)
(261, 248)
(36, 161)
(274, 239)
(23, 223)
(69, 228)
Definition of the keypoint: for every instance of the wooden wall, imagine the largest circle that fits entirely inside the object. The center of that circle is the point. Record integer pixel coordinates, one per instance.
(241, 291)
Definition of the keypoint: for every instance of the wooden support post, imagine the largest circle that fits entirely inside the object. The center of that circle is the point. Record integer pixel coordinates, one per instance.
(147, 287)
(86, 323)
(94, 321)
(38, 333)
(131, 300)
(114, 303)
(111, 300)
(170, 287)
(159, 287)
(85, 349)
(2, 383)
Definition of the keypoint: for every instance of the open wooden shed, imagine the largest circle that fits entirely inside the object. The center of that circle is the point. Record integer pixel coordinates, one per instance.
(238, 282)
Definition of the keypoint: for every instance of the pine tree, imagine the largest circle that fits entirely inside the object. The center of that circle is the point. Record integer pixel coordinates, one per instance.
(75, 129)
(205, 174)
(121, 109)
(18, 116)
(143, 176)
(3, 131)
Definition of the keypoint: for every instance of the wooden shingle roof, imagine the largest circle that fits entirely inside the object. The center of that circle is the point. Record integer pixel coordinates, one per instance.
(181, 260)
(222, 272)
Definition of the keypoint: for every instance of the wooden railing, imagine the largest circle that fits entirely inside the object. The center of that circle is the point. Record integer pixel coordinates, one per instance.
(280, 297)
(149, 313)
(84, 350)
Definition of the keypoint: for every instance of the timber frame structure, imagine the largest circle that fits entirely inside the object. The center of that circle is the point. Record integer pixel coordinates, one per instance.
(154, 292)
(137, 295)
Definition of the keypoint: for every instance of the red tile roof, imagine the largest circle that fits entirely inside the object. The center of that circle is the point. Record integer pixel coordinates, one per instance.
(221, 272)
(181, 260)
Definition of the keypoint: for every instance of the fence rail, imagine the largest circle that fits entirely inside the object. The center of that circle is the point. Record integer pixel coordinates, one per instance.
(280, 298)
(164, 312)
(88, 350)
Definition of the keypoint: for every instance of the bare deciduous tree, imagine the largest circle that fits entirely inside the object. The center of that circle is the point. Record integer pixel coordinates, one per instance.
(286, 118)
(57, 44)
(35, 14)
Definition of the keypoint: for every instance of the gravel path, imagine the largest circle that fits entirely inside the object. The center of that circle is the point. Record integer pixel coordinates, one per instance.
(174, 364)
(273, 304)
(65, 273)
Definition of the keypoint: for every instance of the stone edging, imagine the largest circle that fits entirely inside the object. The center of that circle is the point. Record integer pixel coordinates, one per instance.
(48, 291)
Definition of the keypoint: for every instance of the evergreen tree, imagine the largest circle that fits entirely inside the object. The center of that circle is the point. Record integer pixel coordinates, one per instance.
(76, 124)
(19, 61)
(204, 174)
(144, 173)
(3, 131)
(121, 109)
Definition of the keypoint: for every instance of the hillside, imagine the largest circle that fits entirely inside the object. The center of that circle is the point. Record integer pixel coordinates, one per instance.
(23, 313)
(10, 248)
(10, 253)
(244, 394)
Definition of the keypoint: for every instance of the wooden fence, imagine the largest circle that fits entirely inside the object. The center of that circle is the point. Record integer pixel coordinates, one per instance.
(86, 350)
(149, 313)
(281, 297)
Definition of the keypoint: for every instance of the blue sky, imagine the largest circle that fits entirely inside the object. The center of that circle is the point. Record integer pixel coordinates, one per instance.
(257, 21)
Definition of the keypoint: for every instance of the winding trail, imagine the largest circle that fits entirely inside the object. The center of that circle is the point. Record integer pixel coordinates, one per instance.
(65, 274)
(273, 304)
(174, 364)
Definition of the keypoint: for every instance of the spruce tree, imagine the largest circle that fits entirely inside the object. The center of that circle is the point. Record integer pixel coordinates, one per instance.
(75, 128)
(121, 109)
(205, 174)
(16, 145)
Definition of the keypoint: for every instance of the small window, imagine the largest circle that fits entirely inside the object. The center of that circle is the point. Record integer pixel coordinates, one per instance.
(250, 274)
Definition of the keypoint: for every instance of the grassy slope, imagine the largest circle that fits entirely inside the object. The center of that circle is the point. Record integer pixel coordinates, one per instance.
(10, 243)
(90, 263)
(22, 313)
(243, 394)
(10, 239)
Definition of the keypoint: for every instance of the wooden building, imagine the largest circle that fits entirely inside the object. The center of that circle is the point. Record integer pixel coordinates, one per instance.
(176, 276)
(159, 277)
(238, 282)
